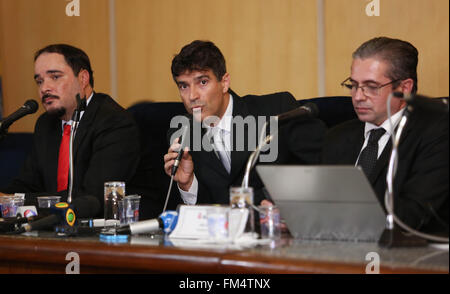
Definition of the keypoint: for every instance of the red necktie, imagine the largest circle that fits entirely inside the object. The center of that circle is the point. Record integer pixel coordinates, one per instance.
(63, 160)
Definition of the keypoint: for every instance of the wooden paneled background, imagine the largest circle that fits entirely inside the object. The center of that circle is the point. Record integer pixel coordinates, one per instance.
(301, 46)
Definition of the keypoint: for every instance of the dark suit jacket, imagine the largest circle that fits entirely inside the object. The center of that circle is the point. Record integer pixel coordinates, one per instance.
(106, 148)
(421, 183)
(299, 142)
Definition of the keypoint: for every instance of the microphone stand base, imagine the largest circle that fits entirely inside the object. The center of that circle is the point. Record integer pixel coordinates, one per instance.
(391, 238)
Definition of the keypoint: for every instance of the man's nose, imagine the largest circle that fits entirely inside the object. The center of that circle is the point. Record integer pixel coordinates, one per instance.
(193, 94)
(45, 87)
(359, 94)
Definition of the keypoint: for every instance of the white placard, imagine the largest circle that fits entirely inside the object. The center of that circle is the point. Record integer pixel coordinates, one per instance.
(192, 222)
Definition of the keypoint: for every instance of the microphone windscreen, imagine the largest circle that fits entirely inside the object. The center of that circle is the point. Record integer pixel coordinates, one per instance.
(312, 108)
(31, 105)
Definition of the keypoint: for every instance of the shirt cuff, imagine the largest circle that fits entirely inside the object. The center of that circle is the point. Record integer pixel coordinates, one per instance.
(190, 197)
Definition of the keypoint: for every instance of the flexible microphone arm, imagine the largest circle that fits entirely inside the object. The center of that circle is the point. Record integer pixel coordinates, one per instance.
(392, 170)
(81, 105)
(263, 141)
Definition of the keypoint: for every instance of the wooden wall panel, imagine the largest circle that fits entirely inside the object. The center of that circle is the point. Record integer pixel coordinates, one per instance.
(30, 25)
(269, 45)
(425, 24)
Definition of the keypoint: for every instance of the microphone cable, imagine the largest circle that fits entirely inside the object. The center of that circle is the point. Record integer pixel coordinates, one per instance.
(392, 169)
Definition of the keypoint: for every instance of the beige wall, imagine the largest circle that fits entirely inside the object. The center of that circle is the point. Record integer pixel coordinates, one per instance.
(267, 47)
(270, 45)
(423, 23)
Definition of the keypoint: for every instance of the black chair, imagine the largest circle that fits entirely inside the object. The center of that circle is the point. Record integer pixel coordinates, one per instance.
(333, 110)
(153, 119)
(13, 151)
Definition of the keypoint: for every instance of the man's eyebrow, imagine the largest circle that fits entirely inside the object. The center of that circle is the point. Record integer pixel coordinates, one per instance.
(52, 71)
(202, 77)
(365, 81)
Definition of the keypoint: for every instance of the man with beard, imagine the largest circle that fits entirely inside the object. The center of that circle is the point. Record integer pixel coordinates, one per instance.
(106, 143)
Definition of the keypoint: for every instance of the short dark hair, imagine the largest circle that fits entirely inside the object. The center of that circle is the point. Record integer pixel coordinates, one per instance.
(401, 56)
(199, 55)
(76, 58)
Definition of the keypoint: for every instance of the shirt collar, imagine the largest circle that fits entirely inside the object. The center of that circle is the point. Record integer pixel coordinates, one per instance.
(385, 125)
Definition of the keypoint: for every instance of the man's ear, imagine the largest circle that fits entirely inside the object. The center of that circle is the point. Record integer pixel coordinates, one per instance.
(83, 78)
(225, 82)
(406, 86)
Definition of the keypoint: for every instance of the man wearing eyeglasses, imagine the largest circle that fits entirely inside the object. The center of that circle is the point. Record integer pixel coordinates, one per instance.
(380, 67)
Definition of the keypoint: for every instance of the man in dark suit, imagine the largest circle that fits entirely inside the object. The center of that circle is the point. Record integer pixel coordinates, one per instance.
(380, 67)
(106, 143)
(205, 174)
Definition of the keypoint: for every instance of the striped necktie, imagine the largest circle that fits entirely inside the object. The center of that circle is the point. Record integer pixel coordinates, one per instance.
(220, 148)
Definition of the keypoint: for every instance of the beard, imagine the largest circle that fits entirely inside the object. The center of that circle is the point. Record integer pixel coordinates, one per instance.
(57, 112)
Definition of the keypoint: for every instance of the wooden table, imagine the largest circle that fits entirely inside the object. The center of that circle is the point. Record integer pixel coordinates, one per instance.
(144, 254)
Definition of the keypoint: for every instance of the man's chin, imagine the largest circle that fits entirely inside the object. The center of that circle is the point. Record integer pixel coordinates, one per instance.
(56, 112)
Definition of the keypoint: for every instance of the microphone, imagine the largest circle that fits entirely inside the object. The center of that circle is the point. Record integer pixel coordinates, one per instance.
(166, 221)
(65, 214)
(11, 224)
(81, 106)
(180, 152)
(308, 110)
(424, 102)
(29, 107)
(61, 212)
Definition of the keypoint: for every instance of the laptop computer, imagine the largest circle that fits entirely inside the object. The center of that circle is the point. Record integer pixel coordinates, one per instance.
(325, 202)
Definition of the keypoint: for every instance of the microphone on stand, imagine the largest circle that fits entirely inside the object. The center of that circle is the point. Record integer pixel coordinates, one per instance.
(392, 236)
(309, 110)
(29, 107)
(81, 106)
(424, 102)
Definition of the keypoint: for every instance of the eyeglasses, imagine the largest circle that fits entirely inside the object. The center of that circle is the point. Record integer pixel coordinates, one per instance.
(367, 90)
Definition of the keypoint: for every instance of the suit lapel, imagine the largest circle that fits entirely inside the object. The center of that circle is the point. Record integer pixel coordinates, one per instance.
(383, 160)
(86, 121)
(354, 144)
(209, 159)
(239, 158)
